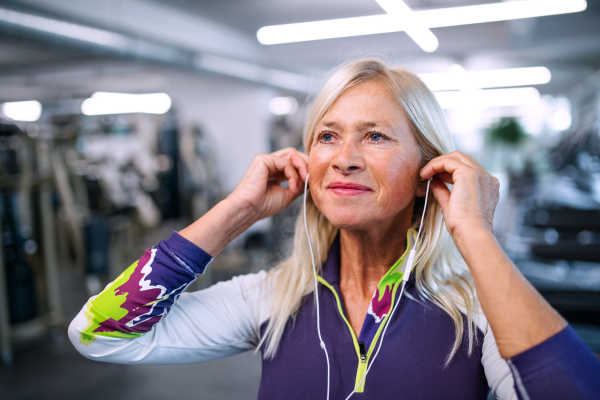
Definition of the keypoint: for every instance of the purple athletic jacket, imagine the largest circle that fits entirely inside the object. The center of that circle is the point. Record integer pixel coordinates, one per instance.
(126, 323)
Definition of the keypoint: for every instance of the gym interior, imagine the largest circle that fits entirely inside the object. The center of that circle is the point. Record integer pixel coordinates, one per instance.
(125, 120)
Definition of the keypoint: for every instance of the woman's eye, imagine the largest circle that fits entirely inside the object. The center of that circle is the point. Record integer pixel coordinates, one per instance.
(327, 137)
(376, 137)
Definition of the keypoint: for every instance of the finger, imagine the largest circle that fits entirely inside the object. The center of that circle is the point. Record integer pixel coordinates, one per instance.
(283, 152)
(465, 158)
(300, 163)
(444, 177)
(276, 177)
(441, 193)
(288, 151)
(285, 166)
(442, 164)
(462, 157)
(298, 159)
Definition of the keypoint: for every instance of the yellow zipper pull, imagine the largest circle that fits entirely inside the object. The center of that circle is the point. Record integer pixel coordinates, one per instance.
(363, 353)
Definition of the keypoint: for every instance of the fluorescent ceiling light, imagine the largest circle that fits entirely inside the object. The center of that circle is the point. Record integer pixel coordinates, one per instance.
(503, 11)
(67, 29)
(488, 98)
(493, 78)
(23, 110)
(413, 26)
(436, 18)
(103, 103)
(560, 119)
(283, 105)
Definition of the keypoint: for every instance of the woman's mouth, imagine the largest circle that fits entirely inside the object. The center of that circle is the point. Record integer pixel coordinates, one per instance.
(348, 189)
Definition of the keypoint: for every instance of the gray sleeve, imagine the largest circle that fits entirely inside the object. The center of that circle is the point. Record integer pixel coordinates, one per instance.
(497, 371)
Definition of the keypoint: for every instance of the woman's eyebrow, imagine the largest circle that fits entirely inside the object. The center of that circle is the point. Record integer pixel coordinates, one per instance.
(368, 124)
(330, 124)
(361, 126)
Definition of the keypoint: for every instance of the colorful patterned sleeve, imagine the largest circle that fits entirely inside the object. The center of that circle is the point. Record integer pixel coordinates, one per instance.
(145, 292)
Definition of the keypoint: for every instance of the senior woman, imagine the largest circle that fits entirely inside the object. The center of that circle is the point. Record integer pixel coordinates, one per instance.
(468, 320)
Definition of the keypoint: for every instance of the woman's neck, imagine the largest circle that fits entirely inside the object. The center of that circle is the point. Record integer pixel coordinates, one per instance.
(367, 255)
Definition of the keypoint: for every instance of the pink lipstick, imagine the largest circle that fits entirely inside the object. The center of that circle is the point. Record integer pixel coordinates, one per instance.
(348, 188)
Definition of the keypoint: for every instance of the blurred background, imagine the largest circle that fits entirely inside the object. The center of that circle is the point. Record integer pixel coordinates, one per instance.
(124, 120)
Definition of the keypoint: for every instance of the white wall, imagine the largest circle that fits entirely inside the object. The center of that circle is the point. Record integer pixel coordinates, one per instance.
(234, 113)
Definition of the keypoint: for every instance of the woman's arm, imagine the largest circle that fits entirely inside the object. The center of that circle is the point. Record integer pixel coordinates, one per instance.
(257, 196)
(516, 312)
(519, 316)
(132, 306)
(546, 360)
(204, 325)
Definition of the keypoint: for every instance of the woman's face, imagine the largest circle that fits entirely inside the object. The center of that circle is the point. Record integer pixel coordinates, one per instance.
(364, 160)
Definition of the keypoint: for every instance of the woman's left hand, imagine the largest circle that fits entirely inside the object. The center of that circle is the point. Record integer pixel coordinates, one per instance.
(471, 204)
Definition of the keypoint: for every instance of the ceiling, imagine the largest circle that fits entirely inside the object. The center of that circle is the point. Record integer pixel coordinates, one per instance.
(569, 45)
(249, 16)
(572, 39)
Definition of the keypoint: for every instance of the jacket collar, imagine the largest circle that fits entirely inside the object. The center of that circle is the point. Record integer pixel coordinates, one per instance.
(331, 266)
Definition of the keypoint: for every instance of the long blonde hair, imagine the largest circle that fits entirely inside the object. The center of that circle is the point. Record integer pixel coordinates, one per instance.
(441, 275)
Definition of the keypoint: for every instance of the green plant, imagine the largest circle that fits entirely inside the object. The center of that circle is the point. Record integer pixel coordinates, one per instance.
(506, 131)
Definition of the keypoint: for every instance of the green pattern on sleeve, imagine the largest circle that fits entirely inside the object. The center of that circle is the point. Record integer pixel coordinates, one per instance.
(107, 306)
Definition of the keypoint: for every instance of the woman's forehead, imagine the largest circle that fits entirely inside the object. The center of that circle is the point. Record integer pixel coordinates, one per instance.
(366, 105)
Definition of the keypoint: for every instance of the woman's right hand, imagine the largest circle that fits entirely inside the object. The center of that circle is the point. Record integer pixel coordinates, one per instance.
(260, 187)
(257, 196)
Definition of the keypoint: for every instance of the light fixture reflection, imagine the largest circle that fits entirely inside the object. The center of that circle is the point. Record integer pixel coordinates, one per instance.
(493, 78)
(413, 26)
(104, 103)
(560, 119)
(435, 18)
(67, 29)
(283, 105)
(488, 98)
(23, 110)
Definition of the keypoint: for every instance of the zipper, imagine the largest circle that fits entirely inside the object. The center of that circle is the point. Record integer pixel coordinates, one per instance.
(362, 367)
(363, 353)
(363, 359)
(360, 350)
(360, 373)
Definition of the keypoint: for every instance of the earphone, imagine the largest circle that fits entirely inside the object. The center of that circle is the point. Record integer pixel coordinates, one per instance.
(405, 278)
(312, 258)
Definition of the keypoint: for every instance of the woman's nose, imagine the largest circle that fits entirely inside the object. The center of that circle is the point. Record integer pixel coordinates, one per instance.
(348, 159)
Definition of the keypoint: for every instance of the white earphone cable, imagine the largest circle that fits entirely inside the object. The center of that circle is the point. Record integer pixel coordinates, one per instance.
(312, 257)
(423, 215)
(407, 272)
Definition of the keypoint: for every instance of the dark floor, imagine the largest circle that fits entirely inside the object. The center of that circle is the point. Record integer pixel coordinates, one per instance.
(52, 369)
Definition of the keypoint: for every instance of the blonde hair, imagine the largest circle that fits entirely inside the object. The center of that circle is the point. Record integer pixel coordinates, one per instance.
(441, 275)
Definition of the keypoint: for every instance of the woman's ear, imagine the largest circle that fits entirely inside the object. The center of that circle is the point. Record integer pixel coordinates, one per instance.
(421, 188)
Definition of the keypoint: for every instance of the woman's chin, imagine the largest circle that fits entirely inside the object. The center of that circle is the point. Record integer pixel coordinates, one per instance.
(355, 221)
